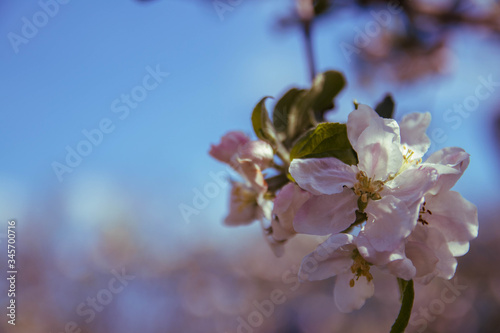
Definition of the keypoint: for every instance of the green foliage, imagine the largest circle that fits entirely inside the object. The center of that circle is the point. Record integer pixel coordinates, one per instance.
(326, 140)
(299, 110)
(325, 87)
(282, 109)
(261, 122)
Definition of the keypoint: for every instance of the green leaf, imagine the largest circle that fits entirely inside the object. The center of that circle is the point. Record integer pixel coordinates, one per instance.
(309, 106)
(385, 108)
(282, 109)
(407, 295)
(326, 140)
(262, 123)
(325, 87)
(300, 117)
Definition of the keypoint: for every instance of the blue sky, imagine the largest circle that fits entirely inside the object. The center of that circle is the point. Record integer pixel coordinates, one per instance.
(64, 80)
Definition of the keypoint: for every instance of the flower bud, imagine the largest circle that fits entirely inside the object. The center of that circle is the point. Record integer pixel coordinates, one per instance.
(259, 152)
(228, 146)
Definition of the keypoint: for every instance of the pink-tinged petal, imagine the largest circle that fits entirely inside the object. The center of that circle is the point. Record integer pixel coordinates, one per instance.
(428, 250)
(228, 146)
(326, 214)
(380, 159)
(411, 185)
(278, 248)
(458, 248)
(402, 268)
(349, 298)
(450, 163)
(322, 175)
(413, 127)
(455, 217)
(252, 173)
(243, 206)
(266, 207)
(376, 140)
(259, 152)
(287, 202)
(389, 223)
(423, 259)
(362, 118)
(331, 258)
(395, 262)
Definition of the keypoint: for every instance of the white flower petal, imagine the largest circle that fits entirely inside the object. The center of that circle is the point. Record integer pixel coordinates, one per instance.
(228, 146)
(330, 258)
(413, 127)
(402, 268)
(389, 223)
(287, 202)
(424, 260)
(429, 252)
(253, 175)
(395, 262)
(379, 159)
(326, 214)
(322, 175)
(376, 140)
(450, 163)
(411, 185)
(259, 152)
(362, 118)
(349, 298)
(455, 217)
(243, 206)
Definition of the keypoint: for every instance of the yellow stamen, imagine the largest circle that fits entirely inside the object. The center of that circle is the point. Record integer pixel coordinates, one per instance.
(359, 268)
(367, 188)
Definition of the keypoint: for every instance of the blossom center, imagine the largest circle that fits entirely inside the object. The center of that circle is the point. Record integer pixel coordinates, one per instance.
(244, 196)
(367, 188)
(359, 268)
(422, 213)
(408, 157)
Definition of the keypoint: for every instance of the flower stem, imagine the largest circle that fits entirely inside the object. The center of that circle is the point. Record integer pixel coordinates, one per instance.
(307, 29)
(407, 296)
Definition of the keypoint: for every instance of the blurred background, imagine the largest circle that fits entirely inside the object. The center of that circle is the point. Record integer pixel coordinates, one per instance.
(108, 112)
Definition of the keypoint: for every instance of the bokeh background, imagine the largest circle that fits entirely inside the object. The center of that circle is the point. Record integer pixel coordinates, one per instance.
(119, 209)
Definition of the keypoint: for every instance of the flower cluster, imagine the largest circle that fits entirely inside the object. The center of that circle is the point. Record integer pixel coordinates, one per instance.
(392, 210)
(363, 185)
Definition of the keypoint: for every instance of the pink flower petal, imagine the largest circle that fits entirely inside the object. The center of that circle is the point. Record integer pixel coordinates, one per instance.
(323, 175)
(377, 142)
(428, 250)
(413, 127)
(243, 207)
(455, 217)
(252, 173)
(330, 258)
(389, 223)
(411, 185)
(287, 202)
(349, 298)
(228, 146)
(326, 214)
(259, 152)
(450, 163)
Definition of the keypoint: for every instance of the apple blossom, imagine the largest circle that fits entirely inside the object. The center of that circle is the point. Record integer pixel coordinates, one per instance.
(390, 197)
(338, 256)
(228, 146)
